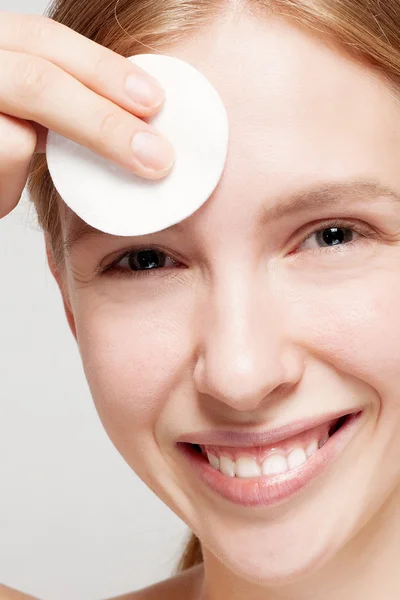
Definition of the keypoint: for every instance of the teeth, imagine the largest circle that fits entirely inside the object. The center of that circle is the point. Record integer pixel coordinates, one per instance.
(227, 466)
(275, 464)
(312, 448)
(296, 458)
(214, 460)
(247, 467)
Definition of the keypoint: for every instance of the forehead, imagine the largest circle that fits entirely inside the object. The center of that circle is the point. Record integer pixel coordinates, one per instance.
(274, 76)
(300, 109)
(243, 54)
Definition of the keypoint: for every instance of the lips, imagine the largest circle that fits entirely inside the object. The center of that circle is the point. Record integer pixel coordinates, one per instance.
(263, 468)
(245, 439)
(315, 436)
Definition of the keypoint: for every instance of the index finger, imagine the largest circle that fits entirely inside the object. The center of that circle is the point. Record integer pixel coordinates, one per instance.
(100, 69)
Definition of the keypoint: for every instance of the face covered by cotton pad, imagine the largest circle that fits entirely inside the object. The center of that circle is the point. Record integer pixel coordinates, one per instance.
(115, 201)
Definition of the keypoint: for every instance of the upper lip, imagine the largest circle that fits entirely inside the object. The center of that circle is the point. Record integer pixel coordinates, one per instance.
(246, 439)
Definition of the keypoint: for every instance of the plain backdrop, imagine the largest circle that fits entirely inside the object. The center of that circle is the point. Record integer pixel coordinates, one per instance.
(75, 522)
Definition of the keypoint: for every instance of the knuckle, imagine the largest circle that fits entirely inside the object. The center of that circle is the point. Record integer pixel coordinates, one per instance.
(101, 69)
(111, 127)
(36, 30)
(30, 79)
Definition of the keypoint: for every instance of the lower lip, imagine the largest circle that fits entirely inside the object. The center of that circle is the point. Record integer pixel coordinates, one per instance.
(275, 489)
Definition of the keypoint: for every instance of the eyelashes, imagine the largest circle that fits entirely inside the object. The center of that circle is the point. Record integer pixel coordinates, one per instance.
(149, 261)
(142, 262)
(335, 228)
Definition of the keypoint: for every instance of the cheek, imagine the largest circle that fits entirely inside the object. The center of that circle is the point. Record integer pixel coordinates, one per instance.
(355, 326)
(133, 355)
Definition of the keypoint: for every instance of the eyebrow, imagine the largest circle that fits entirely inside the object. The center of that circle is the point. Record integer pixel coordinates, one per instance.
(325, 194)
(318, 195)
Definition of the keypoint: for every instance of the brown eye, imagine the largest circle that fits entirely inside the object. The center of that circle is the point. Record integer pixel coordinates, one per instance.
(143, 260)
(334, 236)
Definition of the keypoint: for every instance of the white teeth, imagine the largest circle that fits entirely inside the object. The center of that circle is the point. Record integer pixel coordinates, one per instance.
(296, 458)
(312, 448)
(275, 464)
(214, 460)
(227, 466)
(247, 467)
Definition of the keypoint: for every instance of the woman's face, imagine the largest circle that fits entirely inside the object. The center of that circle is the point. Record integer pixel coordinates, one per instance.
(275, 304)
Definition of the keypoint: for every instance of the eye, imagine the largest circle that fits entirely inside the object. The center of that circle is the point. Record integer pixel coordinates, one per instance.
(333, 236)
(136, 262)
(329, 237)
(140, 262)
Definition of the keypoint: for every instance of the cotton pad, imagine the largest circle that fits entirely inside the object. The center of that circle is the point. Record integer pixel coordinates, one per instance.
(114, 200)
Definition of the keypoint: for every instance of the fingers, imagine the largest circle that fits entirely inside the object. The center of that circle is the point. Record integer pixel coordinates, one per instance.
(98, 68)
(41, 135)
(17, 146)
(34, 89)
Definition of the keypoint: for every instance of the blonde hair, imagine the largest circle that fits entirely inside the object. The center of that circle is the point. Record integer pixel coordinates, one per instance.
(368, 29)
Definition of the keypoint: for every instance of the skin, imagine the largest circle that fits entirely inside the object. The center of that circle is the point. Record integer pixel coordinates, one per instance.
(255, 327)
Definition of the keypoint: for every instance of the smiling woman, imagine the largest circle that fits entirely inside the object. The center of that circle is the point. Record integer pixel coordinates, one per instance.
(245, 362)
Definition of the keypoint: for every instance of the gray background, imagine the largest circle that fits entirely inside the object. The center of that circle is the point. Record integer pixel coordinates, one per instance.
(75, 521)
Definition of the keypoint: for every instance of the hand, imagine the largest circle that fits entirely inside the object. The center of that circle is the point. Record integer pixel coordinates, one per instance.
(54, 78)
(7, 593)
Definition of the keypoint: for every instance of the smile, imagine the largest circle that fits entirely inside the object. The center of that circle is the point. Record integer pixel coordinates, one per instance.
(270, 473)
(280, 458)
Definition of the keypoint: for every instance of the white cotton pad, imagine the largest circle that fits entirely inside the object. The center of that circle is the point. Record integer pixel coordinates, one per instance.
(115, 201)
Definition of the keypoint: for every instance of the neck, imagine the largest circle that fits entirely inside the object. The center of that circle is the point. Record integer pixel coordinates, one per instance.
(367, 568)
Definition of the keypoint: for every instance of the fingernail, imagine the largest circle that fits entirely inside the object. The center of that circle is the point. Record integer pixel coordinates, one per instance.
(144, 90)
(153, 151)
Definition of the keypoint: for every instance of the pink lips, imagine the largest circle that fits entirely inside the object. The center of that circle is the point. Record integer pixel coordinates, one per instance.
(244, 439)
(266, 490)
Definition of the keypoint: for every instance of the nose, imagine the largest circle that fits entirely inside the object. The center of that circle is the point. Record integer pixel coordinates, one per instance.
(245, 354)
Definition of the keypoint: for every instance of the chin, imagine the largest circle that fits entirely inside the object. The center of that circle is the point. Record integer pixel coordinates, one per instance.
(280, 568)
(289, 547)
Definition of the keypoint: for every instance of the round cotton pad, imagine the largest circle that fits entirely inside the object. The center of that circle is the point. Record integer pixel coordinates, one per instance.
(115, 201)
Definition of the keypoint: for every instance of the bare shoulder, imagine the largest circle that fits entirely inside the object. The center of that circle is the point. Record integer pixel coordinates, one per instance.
(7, 593)
(184, 586)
